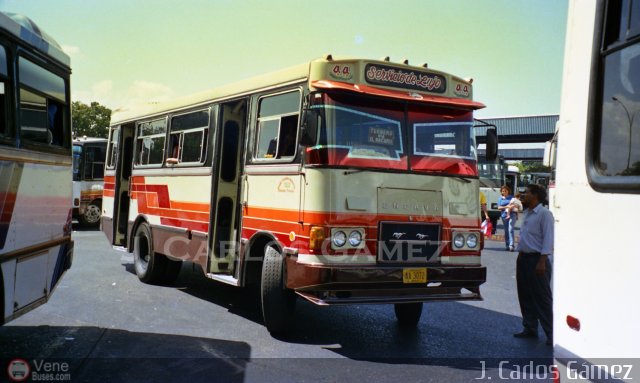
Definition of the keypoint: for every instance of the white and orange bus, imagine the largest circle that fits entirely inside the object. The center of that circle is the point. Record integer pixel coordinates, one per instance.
(88, 179)
(35, 166)
(339, 181)
(596, 331)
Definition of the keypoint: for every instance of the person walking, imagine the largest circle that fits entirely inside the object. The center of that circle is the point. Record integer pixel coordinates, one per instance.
(533, 268)
(503, 203)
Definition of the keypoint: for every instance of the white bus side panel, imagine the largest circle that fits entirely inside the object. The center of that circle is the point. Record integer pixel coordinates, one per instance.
(596, 256)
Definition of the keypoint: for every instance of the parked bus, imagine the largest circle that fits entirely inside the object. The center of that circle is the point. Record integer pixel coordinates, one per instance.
(493, 175)
(35, 166)
(88, 179)
(338, 181)
(598, 169)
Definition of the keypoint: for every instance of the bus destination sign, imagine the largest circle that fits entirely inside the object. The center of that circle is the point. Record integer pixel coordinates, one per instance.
(395, 77)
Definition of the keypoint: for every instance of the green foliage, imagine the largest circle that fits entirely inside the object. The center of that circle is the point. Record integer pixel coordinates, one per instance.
(531, 167)
(90, 120)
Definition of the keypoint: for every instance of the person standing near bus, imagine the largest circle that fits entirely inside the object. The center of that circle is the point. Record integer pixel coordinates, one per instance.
(513, 209)
(503, 202)
(483, 206)
(533, 268)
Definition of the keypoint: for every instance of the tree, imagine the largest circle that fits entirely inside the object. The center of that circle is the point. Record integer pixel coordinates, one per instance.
(90, 120)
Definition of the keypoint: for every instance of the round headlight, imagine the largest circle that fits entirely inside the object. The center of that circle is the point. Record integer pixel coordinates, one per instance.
(472, 241)
(355, 238)
(458, 240)
(339, 238)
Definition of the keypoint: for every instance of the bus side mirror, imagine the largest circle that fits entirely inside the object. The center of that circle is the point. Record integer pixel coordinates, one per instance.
(309, 128)
(491, 152)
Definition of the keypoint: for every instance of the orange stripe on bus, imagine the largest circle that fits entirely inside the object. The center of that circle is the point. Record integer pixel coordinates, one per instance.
(192, 206)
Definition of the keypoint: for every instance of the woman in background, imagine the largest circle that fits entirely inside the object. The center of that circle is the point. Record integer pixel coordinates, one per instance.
(503, 203)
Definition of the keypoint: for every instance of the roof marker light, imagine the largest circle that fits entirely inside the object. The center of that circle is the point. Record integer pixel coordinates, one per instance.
(425, 65)
(386, 58)
(405, 61)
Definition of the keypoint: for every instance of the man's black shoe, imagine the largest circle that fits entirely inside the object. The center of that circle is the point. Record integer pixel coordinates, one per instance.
(526, 334)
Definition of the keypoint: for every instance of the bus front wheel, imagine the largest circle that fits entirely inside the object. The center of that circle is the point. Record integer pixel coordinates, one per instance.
(278, 302)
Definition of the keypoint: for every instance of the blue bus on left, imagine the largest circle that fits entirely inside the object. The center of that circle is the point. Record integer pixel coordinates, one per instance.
(35, 166)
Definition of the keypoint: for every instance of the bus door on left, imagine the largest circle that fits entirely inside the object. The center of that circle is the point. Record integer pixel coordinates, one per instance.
(117, 176)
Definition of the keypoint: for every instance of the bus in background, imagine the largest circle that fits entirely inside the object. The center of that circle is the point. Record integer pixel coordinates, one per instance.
(512, 178)
(598, 168)
(491, 177)
(338, 181)
(35, 166)
(493, 174)
(88, 179)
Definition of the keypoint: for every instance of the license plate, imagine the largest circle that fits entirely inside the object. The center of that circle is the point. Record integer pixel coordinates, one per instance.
(415, 275)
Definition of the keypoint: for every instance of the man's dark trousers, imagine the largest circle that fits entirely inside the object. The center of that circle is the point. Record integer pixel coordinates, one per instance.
(534, 294)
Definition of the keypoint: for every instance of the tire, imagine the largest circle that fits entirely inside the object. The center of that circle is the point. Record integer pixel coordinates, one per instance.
(408, 314)
(150, 267)
(278, 302)
(91, 216)
(172, 270)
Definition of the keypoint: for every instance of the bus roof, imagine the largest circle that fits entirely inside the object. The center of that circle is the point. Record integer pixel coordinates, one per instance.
(388, 79)
(26, 30)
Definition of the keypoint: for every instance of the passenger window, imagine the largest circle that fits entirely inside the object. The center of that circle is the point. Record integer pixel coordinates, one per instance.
(618, 151)
(4, 127)
(42, 101)
(188, 138)
(113, 149)
(277, 127)
(150, 142)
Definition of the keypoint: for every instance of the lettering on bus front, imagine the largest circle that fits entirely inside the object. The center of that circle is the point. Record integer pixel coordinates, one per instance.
(395, 77)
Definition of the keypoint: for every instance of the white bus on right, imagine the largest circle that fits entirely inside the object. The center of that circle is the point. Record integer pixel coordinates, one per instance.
(597, 261)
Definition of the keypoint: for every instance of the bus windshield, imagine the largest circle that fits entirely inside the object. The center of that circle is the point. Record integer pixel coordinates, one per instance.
(374, 133)
(491, 173)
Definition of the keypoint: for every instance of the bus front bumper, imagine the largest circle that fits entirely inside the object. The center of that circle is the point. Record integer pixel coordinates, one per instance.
(332, 285)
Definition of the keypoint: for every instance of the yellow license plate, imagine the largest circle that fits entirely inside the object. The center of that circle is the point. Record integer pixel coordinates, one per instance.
(416, 275)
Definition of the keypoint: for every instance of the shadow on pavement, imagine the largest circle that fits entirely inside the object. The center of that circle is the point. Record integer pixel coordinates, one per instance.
(96, 354)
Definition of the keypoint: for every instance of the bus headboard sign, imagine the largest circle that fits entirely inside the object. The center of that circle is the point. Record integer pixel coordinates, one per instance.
(394, 77)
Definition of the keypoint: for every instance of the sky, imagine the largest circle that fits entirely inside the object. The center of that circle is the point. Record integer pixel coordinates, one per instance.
(126, 52)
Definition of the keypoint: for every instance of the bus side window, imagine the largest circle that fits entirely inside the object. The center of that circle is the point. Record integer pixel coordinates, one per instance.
(42, 95)
(277, 130)
(187, 139)
(4, 127)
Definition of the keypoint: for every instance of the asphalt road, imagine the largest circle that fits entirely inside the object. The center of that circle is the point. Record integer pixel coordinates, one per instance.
(103, 324)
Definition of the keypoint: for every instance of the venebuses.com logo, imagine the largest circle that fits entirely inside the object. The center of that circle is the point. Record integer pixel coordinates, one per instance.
(19, 370)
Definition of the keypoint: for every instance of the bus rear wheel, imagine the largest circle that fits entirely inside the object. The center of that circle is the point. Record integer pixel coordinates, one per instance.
(408, 314)
(151, 267)
(91, 216)
(278, 302)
